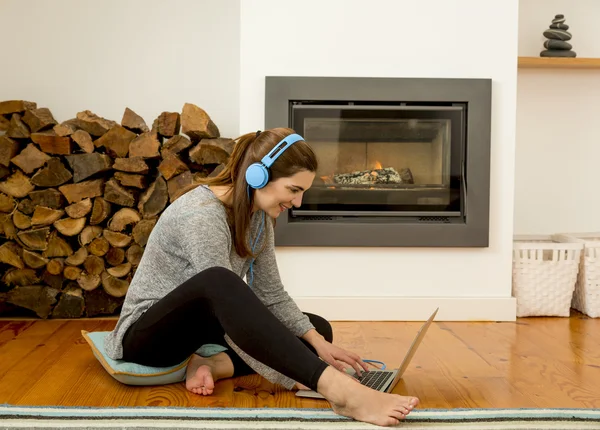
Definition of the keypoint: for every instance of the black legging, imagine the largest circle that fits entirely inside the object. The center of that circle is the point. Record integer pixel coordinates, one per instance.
(208, 305)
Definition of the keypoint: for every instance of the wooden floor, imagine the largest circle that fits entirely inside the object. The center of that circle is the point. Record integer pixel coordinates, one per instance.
(535, 362)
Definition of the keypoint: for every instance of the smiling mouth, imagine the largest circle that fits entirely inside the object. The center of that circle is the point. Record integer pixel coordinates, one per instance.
(282, 207)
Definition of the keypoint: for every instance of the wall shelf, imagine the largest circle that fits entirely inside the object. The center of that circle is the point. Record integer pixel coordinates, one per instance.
(558, 63)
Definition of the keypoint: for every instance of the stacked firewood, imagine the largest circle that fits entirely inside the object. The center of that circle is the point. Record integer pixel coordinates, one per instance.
(79, 199)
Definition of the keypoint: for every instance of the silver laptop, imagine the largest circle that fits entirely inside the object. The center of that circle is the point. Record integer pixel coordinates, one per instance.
(383, 380)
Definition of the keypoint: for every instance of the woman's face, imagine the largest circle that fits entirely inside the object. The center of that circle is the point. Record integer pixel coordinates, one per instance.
(283, 193)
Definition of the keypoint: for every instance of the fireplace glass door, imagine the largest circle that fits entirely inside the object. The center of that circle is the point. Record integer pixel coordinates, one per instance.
(398, 161)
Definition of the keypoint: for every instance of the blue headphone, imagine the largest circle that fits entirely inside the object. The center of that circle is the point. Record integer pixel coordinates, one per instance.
(257, 175)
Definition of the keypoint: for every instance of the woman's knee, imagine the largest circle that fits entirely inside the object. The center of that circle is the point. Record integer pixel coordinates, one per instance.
(322, 326)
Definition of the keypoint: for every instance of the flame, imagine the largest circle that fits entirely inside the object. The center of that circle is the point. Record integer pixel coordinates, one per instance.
(377, 165)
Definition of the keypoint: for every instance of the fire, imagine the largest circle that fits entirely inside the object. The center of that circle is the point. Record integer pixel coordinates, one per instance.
(377, 165)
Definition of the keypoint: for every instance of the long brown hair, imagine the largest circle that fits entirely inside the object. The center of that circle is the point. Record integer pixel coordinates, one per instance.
(250, 148)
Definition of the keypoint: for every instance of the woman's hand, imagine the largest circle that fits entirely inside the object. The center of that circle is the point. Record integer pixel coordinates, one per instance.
(337, 356)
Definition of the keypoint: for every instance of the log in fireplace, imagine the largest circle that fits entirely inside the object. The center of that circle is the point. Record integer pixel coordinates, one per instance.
(402, 161)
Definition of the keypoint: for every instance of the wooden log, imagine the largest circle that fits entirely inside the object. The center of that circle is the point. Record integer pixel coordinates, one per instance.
(53, 175)
(93, 124)
(55, 266)
(116, 239)
(88, 282)
(98, 247)
(50, 198)
(35, 240)
(175, 145)
(9, 148)
(100, 212)
(115, 256)
(37, 298)
(216, 171)
(70, 304)
(83, 139)
(34, 260)
(146, 145)
(45, 216)
(169, 124)
(197, 124)
(30, 159)
(80, 209)
(21, 277)
(178, 185)
(131, 180)
(66, 128)
(54, 281)
(154, 199)
(17, 185)
(57, 247)
(78, 257)
(17, 128)
(116, 141)
(26, 206)
(212, 151)
(70, 226)
(131, 165)
(8, 255)
(115, 193)
(141, 231)
(72, 272)
(76, 192)
(134, 254)
(39, 119)
(120, 270)
(114, 286)
(89, 233)
(51, 143)
(21, 221)
(132, 121)
(93, 265)
(123, 218)
(4, 172)
(7, 227)
(172, 166)
(4, 123)
(86, 165)
(97, 302)
(16, 106)
(7, 203)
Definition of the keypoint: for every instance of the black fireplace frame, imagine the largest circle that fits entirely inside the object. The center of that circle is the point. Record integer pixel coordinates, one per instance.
(476, 94)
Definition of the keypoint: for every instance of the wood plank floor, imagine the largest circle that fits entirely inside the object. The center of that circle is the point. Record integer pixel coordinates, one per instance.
(534, 362)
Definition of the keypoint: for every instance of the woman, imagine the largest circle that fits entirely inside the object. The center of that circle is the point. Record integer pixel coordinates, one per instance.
(189, 291)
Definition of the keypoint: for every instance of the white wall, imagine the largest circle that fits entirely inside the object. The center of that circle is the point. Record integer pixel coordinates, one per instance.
(148, 55)
(395, 38)
(558, 145)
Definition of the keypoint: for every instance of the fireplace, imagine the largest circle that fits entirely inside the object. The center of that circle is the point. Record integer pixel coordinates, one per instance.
(402, 161)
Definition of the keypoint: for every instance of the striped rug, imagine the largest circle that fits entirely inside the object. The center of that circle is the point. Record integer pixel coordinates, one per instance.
(27, 417)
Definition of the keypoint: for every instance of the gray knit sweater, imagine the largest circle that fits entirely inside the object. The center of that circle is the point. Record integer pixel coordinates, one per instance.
(191, 235)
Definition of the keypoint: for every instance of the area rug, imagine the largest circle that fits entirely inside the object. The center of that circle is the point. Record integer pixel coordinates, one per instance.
(55, 418)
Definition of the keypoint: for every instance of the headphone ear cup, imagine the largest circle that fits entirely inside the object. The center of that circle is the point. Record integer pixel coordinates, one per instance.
(257, 175)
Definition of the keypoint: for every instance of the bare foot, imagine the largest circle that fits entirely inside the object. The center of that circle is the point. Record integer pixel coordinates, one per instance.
(351, 399)
(202, 373)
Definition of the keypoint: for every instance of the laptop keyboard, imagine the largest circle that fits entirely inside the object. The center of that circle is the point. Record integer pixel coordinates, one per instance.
(374, 379)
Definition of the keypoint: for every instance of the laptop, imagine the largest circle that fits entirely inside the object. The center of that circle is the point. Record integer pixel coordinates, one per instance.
(383, 380)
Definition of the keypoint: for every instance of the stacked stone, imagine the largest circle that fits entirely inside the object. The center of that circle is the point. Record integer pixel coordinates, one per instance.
(557, 35)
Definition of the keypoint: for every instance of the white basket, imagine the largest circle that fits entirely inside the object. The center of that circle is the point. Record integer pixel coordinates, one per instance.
(586, 298)
(544, 275)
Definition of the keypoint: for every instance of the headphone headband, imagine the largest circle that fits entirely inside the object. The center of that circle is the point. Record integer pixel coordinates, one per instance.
(280, 148)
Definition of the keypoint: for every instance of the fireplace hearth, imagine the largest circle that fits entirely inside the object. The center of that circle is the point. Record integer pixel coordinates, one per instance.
(402, 161)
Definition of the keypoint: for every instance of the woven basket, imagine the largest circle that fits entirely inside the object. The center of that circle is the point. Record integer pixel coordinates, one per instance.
(544, 275)
(586, 298)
